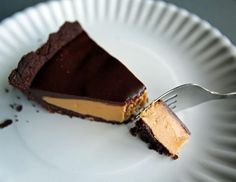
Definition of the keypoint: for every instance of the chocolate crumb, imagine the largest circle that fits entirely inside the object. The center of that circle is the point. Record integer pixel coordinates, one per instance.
(33, 105)
(37, 110)
(19, 108)
(18, 97)
(133, 131)
(5, 123)
(175, 157)
(15, 116)
(6, 90)
(16, 120)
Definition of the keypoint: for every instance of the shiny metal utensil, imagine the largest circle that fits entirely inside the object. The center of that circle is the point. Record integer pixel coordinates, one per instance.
(189, 95)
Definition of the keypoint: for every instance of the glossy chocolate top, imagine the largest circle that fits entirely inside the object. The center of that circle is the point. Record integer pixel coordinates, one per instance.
(83, 69)
(30, 64)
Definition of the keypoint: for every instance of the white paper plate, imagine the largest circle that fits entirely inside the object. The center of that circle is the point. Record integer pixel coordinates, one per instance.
(164, 46)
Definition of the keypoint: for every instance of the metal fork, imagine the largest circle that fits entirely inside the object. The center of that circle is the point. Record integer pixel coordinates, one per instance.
(189, 95)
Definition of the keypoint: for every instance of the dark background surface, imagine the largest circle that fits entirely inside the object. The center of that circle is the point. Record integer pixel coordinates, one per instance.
(219, 13)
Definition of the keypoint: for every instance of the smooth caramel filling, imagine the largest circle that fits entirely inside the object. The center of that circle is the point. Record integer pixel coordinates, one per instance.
(165, 127)
(108, 112)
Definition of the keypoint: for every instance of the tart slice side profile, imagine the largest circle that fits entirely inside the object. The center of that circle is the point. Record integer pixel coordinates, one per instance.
(71, 74)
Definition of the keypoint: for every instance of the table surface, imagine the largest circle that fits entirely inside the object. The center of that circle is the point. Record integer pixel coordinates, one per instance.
(220, 13)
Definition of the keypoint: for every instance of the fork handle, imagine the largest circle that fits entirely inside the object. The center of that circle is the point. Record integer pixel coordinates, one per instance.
(231, 95)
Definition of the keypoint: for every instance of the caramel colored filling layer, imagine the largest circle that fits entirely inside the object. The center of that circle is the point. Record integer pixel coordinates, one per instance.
(165, 127)
(109, 112)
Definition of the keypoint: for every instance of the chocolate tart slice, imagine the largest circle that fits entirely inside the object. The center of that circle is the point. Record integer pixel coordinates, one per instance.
(70, 74)
(161, 129)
